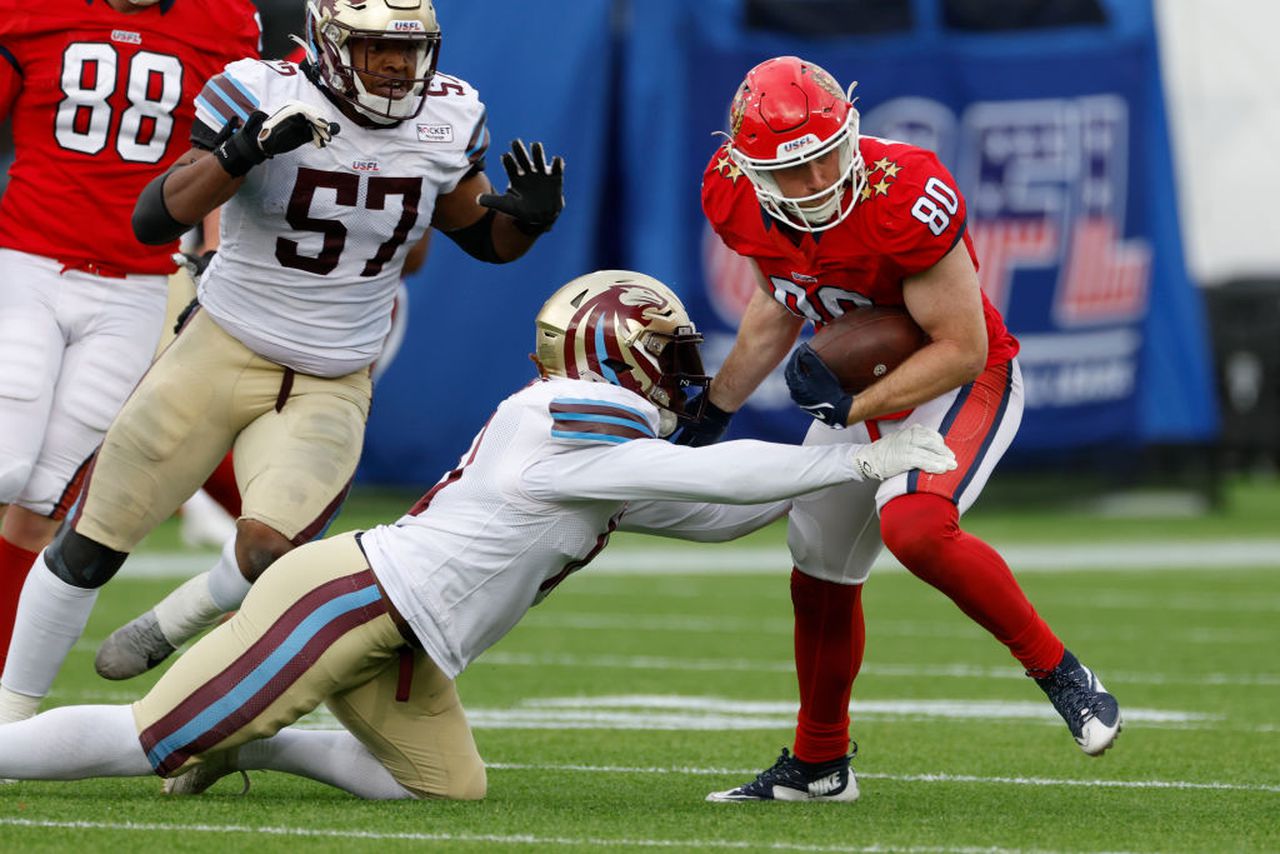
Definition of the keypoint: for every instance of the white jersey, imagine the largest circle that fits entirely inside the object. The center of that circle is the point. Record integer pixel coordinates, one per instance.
(313, 243)
(559, 466)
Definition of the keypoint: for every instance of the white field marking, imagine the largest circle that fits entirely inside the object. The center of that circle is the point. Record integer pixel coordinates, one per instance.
(947, 671)
(904, 778)
(952, 629)
(495, 838)
(703, 714)
(722, 559)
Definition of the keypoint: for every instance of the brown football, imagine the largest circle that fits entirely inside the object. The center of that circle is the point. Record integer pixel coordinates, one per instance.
(864, 344)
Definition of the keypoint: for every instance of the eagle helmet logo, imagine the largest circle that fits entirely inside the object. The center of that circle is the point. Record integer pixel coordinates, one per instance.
(626, 329)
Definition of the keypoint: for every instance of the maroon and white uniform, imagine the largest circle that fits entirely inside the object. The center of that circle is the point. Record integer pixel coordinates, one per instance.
(560, 465)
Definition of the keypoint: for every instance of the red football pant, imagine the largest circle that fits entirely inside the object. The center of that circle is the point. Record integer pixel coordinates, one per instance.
(829, 642)
(15, 563)
(923, 532)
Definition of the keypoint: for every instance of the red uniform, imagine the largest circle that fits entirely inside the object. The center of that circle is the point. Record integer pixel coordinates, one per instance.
(909, 217)
(102, 102)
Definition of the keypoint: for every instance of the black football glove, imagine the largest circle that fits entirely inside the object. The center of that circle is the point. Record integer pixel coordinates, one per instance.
(535, 191)
(289, 127)
(707, 430)
(816, 389)
(195, 265)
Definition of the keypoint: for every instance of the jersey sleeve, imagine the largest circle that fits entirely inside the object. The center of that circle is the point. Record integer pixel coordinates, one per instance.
(700, 522)
(228, 97)
(744, 471)
(459, 113)
(925, 217)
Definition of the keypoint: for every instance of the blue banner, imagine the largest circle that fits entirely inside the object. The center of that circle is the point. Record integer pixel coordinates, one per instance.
(1058, 141)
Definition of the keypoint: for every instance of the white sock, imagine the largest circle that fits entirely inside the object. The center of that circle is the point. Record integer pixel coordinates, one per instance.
(16, 707)
(72, 743)
(187, 611)
(335, 757)
(51, 617)
(227, 586)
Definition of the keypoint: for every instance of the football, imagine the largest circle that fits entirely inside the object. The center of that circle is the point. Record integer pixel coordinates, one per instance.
(864, 344)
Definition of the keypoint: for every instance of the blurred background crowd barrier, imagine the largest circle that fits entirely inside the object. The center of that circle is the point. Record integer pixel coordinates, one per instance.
(1151, 346)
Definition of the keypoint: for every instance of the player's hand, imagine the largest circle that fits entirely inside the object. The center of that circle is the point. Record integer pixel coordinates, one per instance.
(535, 190)
(262, 136)
(195, 265)
(815, 389)
(707, 430)
(916, 447)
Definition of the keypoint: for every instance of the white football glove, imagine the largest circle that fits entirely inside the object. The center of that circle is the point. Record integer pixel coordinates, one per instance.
(916, 447)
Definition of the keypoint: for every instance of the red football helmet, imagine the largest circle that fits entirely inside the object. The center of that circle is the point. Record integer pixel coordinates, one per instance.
(788, 112)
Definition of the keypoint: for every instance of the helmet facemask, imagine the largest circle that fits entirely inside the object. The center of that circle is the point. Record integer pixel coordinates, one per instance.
(628, 330)
(826, 208)
(332, 25)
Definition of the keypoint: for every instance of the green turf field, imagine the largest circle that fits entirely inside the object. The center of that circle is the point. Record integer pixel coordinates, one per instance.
(665, 671)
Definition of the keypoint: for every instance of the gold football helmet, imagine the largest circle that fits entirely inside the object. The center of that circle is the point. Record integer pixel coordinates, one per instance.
(626, 329)
(332, 24)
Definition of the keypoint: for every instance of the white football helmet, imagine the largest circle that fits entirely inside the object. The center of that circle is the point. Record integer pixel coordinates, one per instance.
(332, 24)
(626, 329)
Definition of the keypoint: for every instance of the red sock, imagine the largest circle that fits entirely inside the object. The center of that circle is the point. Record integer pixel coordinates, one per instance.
(15, 563)
(222, 488)
(923, 531)
(829, 641)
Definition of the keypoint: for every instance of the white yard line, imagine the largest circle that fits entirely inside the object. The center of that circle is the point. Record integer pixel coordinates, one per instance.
(494, 838)
(696, 559)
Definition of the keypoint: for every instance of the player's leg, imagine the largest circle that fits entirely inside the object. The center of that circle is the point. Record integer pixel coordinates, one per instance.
(920, 525)
(833, 540)
(31, 347)
(314, 625)
(170, 433)
(296, 461)
(411, 719)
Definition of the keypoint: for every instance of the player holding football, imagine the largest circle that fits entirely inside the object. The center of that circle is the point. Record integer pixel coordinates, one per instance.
(101, 100)
(833, 221)
(330, 171)
(378, 624)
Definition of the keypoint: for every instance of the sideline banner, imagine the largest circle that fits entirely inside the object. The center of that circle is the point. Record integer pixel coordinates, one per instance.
(1057, 139)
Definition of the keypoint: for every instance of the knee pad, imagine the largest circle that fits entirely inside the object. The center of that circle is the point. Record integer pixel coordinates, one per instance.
(80, 561)
(14, 475)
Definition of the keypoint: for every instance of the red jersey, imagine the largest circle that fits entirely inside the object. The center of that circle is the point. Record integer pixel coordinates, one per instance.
(910, 216)
(101, 103)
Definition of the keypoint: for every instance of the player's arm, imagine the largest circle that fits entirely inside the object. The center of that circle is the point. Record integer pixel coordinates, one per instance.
(745, 471)
(946, 301)
(500, 228)
(703, 523)
(765, 335)
(202, 180)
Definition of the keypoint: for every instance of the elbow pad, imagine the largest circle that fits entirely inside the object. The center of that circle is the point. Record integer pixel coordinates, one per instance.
(477, 239)
(152, 222)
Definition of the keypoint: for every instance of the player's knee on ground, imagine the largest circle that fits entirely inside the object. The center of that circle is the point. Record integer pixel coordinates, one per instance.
(82, 562)
(258, 546)
(467, 783)
(916, 528)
